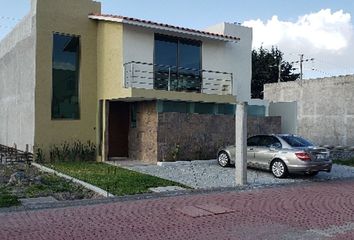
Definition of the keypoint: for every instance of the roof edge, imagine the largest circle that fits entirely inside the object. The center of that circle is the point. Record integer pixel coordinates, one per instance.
(161, 26)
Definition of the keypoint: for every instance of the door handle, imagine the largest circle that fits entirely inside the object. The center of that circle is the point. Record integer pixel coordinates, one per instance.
(250, 149)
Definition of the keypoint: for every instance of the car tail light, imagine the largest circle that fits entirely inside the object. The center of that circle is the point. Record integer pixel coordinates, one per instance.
(304, 156)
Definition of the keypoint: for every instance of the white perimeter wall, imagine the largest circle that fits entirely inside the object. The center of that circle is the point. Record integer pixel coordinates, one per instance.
(17, 84)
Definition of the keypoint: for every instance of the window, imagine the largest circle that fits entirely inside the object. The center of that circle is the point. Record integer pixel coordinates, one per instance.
(294, 141)
(204, 108)
(268, 141)
(65, 77)
(177, 64)
(226, 109)
(195, 107)
(253, 141)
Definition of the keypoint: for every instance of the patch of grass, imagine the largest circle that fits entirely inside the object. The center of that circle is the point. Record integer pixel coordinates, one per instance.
(349, 162)
(115, 180)
(7, 199)
(50, 184)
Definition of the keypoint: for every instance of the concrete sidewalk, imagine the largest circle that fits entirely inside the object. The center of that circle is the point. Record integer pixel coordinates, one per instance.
(323, 210)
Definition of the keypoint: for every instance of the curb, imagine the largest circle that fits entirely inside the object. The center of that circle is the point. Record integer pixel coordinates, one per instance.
(179, 163)
(93, 188)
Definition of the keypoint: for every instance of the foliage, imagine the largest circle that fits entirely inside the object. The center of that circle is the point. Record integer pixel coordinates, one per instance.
(115, 180)
(175, 153)
(52, 184)
(73, 151)
(349, 162)
(39, 155)
(7, 199)
(265, 69)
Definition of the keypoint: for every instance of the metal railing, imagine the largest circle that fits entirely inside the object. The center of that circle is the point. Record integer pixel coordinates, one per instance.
(172, 78)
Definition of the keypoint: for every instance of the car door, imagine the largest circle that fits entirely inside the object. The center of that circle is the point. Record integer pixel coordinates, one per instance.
(252, 144)
(265, 152)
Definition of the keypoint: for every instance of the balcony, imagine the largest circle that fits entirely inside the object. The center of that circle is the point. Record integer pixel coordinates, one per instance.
(170, 78)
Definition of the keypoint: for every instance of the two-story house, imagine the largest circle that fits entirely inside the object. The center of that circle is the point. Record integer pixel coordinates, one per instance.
(137, 89)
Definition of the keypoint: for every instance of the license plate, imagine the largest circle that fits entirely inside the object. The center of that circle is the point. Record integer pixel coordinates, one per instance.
(320, 156)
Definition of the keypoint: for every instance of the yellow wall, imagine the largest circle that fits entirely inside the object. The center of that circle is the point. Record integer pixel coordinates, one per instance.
(110, 61)
(69, 17)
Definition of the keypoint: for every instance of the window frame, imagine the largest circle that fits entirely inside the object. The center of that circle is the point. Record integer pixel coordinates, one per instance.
(178, 40)
(78, 77)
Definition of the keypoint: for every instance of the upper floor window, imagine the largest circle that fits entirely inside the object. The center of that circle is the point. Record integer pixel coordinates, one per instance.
(65, 77)
(177, 64)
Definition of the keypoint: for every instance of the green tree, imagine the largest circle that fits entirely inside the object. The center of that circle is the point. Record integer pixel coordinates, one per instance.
(265, 69)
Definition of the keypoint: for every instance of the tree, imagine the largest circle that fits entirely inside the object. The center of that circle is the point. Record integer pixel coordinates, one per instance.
(265, 69)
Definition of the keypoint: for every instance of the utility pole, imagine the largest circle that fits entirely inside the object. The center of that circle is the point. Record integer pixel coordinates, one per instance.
(279, 70)
(301, 60)
(301, 64)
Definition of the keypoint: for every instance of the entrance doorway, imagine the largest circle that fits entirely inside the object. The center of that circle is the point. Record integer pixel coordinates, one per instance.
(118, 129)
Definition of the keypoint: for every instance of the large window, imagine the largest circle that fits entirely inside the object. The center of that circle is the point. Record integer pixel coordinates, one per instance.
(65, 73)
(195, 107)
(177, 64)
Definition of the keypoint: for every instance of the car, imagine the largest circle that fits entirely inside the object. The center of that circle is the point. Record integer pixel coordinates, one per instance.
(282, 154)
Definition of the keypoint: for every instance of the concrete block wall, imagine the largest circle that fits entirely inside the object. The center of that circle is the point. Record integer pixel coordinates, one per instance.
(17, 84)
(325, 109)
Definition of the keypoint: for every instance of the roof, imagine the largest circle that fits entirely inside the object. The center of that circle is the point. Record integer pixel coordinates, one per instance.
(161, 26)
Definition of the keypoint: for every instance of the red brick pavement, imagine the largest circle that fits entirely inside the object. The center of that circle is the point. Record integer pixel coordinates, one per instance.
(293, 212)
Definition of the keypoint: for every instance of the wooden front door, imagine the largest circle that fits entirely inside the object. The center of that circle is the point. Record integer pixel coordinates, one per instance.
(118, 125)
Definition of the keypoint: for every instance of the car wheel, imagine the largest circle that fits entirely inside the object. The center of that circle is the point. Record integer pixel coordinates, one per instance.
(311, 174)
(279, 169)
(223, 159)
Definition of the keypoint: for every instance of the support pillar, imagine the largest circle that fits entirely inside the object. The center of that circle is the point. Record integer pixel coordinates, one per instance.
(241, 144)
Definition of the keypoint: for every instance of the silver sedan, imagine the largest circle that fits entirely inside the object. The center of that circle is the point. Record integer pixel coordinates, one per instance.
(281, 154)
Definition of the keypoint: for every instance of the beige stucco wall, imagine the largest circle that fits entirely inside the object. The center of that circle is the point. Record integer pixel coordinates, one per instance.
(68, 17)
(110, 61)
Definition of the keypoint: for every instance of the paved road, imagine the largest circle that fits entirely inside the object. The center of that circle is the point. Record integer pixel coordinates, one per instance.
(323, 210)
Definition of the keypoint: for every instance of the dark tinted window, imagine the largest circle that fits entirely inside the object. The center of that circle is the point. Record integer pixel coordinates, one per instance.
(177, 64)
(204, 108)
(253, 141)
(165, 62)
(65, 74)
(263, 141)
(295, 141)
(268, 141)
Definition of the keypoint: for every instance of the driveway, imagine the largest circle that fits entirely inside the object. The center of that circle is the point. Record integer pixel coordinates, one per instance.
(208, 174)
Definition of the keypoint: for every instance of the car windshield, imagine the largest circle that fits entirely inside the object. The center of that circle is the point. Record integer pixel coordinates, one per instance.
(294, 141)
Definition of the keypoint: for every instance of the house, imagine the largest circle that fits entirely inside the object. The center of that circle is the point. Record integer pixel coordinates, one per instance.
(134, 88)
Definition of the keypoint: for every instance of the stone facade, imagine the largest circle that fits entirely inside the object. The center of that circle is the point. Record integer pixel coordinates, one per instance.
(171, 136)
(325, 110)
(186, 136)
(143, 138)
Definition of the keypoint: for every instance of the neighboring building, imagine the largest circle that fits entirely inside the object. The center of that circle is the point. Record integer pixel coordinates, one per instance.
(323, 108)
(68, 72)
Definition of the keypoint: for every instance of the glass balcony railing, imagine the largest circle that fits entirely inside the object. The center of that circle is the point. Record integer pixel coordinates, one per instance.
(172, 78)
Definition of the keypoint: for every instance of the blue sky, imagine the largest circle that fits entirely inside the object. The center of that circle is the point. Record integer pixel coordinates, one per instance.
(202, 13)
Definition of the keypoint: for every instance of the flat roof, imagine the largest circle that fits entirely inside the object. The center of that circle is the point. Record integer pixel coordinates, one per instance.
(162, 26)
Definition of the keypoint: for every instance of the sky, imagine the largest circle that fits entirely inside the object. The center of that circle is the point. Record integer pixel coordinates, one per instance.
(319, 29)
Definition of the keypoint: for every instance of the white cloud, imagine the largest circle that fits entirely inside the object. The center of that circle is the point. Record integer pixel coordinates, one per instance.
(324, 35)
